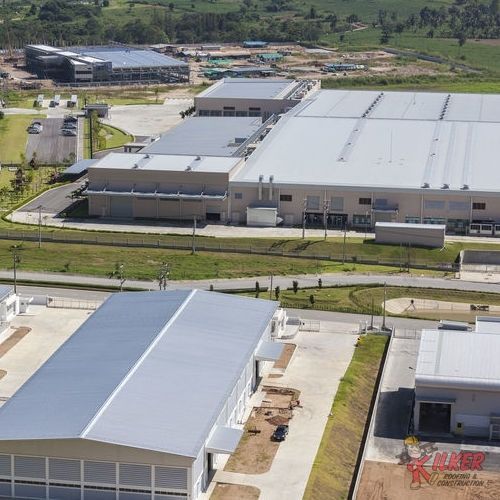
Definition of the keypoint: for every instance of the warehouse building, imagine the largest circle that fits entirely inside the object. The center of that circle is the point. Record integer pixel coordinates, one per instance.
(252, 97)
(184, 174)
(179, 187)
(86, 65)
(140, 402)
(356, 158)
(457, 382)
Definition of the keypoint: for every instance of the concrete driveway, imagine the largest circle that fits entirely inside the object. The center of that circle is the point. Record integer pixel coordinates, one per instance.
(148, 119)
(318, 364)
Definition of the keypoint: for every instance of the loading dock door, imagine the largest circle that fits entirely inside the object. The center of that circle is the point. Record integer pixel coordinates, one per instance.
(435, 417)
(121, 206)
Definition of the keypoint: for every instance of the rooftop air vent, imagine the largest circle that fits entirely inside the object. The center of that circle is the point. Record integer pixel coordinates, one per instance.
(425, 185)
(465, 187)
(445, 186)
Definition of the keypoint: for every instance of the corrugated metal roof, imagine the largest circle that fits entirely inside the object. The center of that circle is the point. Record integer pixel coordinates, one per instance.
(174, 163)
(248, 88)
(5, 291)
(206, 136)
(391, 140)
(79, 167)
(150, 370)
(467, 360)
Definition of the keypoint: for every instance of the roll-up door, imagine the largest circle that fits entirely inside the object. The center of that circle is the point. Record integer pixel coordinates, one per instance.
(121, 206)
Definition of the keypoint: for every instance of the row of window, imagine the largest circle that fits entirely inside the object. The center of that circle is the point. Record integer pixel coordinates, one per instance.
(337, 203)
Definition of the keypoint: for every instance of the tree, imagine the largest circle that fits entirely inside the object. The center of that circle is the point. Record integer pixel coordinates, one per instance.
(385, 35)
(2, 115)
(461, 38)
(295, 286)
(171, 6)
(320, 283)
(311, 299)
(312, 12)
(257, 289)
(277, 293)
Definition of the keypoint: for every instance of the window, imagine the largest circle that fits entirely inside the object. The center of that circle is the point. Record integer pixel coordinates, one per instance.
(434, 220)
(365, 201)
(410, 219)
(361, 220)
(458, 206)
(238, 196)
(337, 203)
(215, 113)
(434, 204)
(241, 113)
(285, 197)
(203, 112)
(229, 108)
(479, 206)
(312, 203)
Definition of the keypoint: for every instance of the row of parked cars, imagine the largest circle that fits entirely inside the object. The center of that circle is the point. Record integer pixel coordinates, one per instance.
(70, 126)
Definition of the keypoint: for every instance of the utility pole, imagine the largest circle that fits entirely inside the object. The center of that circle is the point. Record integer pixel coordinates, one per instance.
(343, 245)
(271, 288)
(16, 259)
(193, 242)
(371, 321)
(91, 138)
(366, 223)
(304, 215)
(385, 298)
(326, 205)
(40, 226)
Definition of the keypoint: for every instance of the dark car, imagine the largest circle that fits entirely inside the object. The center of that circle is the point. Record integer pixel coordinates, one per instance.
(70, 119)
(280, 433)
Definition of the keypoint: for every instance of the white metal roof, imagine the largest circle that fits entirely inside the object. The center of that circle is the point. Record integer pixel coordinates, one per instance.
(206, 136)
(250, 88)
(174, 163)
(487, 324)
(150, 370)
(392, 140)
(456, 359)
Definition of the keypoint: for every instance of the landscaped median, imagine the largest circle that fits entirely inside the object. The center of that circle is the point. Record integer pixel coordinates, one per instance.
(335, 462)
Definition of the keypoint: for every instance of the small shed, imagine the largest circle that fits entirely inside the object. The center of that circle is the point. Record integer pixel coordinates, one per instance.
(421, 235)
(262, 216)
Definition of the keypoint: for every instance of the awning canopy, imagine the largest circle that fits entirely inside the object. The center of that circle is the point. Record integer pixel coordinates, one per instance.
(224, 440)
(269, 351)
(432, 399)
(156, 194)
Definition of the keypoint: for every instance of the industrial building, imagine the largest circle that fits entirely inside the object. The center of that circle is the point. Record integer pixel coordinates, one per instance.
(252, 97)
(457, 381)
(350, 159)
(140, 402)
(184, 174)
(87, 65)
(356, 158)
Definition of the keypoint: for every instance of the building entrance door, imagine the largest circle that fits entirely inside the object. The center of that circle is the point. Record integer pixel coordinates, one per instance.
(435, 417)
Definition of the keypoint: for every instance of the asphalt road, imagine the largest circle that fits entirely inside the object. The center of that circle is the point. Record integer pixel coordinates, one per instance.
(50, 146)
(52, 201)
(282, 281)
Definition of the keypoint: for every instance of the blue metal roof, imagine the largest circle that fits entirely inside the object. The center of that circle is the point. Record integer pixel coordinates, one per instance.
(79, 167)
(150, 370)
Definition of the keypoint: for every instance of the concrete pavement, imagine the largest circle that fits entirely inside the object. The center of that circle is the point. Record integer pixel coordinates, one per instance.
(319, 363)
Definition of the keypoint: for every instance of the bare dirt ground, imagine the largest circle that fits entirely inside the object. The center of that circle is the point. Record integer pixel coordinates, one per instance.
(10, 342)
(256, 450)
(386, 481)
(286, 356)
(225, 491)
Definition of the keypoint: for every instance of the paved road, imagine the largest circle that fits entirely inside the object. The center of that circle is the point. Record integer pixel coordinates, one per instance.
(52, 201)
(282, 281)
(51, 146)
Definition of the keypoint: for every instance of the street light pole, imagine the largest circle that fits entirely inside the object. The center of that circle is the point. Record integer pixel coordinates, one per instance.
(193, 242)
(271, 288)
(40, 226)
(325, 216)
(343, 246)
(385, 298)
(366, 223)
(304, 215)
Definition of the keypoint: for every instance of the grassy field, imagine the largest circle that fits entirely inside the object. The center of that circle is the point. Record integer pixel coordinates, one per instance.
(358, 299)
(13, 136)
(141, 263)
(115, 137)
(333, 467)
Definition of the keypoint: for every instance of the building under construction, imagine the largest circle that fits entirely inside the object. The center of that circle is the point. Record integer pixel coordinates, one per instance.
(87, 65)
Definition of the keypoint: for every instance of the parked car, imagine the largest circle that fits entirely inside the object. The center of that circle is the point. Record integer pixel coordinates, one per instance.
(70, 119)
(280, 433)
(68, 132)
(70, 125)
(35, 128)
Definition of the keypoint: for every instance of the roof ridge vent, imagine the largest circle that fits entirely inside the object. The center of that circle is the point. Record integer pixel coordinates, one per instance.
(444, 109)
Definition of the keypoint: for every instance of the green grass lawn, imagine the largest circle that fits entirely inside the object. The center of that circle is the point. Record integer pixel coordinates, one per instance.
(115, 137)
(333, 467)
(13, 136)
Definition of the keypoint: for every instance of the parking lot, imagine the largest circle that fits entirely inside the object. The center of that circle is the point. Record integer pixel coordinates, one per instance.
(50, 145)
